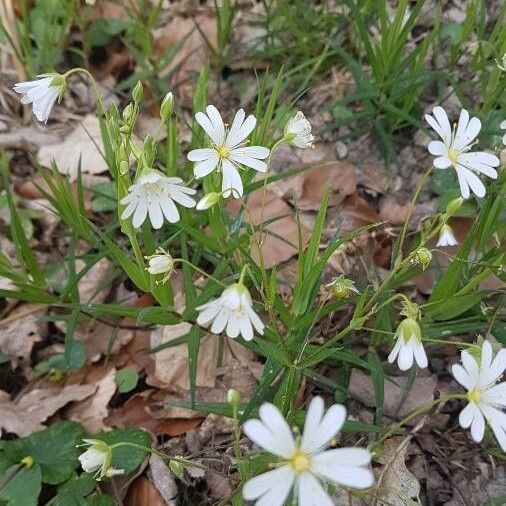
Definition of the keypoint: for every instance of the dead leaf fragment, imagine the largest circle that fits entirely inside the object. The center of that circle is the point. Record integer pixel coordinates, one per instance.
(21, 330)
(27, 414)
(163, 479)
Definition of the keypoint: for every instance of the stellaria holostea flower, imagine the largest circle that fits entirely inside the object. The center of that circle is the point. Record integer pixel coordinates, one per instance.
(487, 398)
(228, 151)
(454, 151)
(446, 237)
(97, 459)
(305, 462)
(298, 131)
(232, 312)
(154, 195)
(42, 93)
(408, 347)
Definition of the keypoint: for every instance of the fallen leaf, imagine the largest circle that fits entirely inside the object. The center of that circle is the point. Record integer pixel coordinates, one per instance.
(83, 145)
(92, 411)
(95, 285)
(27, 414)
(163, 479)
(396, 486)
(143, 492)
(144, 410)
(398, 401)
(21, 330)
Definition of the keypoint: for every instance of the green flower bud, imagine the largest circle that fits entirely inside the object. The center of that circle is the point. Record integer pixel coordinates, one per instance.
(27, 461)
(233, 397)
(167, 107)
(410, 310)
(208, 201)
(128, 113)
(137, 92)
(453, 206)
(176, 467)
(341, 287)
(422, 257)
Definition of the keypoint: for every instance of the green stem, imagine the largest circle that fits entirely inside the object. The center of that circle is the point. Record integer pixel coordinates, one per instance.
(92, 80)
(418, 412)
(198, 269)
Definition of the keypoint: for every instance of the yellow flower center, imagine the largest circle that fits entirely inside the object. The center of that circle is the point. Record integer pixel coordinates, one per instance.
(474, 396)
(154, 188)
(223, 152)
(300, 461)
(453, 155)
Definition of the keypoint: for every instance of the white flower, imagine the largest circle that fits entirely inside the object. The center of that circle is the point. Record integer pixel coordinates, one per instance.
(232, 310)
(305, 462)
(454, 151)
(446, 237)
(298, 131)
(42, 93)
(161, 263)
(97, 459)
(487, 400)
(408, 347)
(228, 150)
(503, 127)
(154, 194)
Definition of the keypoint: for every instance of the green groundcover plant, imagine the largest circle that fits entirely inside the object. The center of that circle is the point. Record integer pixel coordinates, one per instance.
(171, 213)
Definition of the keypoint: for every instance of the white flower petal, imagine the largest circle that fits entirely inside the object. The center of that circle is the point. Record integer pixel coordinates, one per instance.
(462, 376)
(316, 437)
(442, 162)
(437, 148)
(220, 322)
(199, 155)
(395, 350)
(140, 214)
(471, 132)
(274, 436)
(155, 213)
(231, 184)
(420, 355)
(180, 197)
(217, 123)
(478, 427)
(237, 156)
(240, 131)
(406, 356)
(170, 211)
(255, 320)
(246, 328)
(209, 128)
(270, 488)
(233, 326)
(440, 123)
(205, 167)
(495, 395)
(311, 492)
(345, 466)
(467, 415)
(471, 366)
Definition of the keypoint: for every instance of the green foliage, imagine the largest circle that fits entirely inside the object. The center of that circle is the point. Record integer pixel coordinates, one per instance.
(126, 379)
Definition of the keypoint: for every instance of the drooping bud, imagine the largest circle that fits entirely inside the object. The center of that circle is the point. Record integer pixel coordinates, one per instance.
(161, 263)
(454, 205)
(208, 201)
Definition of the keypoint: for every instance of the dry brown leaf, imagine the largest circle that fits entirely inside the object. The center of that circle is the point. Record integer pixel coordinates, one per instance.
(27, 414)
(307, 188)
(94, 286)
(21, 330)
(92, 411)
(145, 410)
(83, 144)
(398, 401)
(163, 479)
(143, 492)
(396, 485)
(194, 53)
(29, 138)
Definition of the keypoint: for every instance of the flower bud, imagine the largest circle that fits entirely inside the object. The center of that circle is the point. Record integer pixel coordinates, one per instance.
(341, 287)
(167, 107)
(422, 257)
(298, 132)
(97, 459)
(176, 467)
(27, 461)
(233, 397)
(453, 206)
(208, 201)
(137, 92)
(128, 113)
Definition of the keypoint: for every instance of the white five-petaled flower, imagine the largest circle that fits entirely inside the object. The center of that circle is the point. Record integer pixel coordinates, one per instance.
(487, 399)
(503, 127)
(305, 461)
(42, 93)
(153, 195)
(454, 151)
(228, 151)
(298, 131)
(408, 347)
(446, 237)
(233, 311)
(97, 459)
